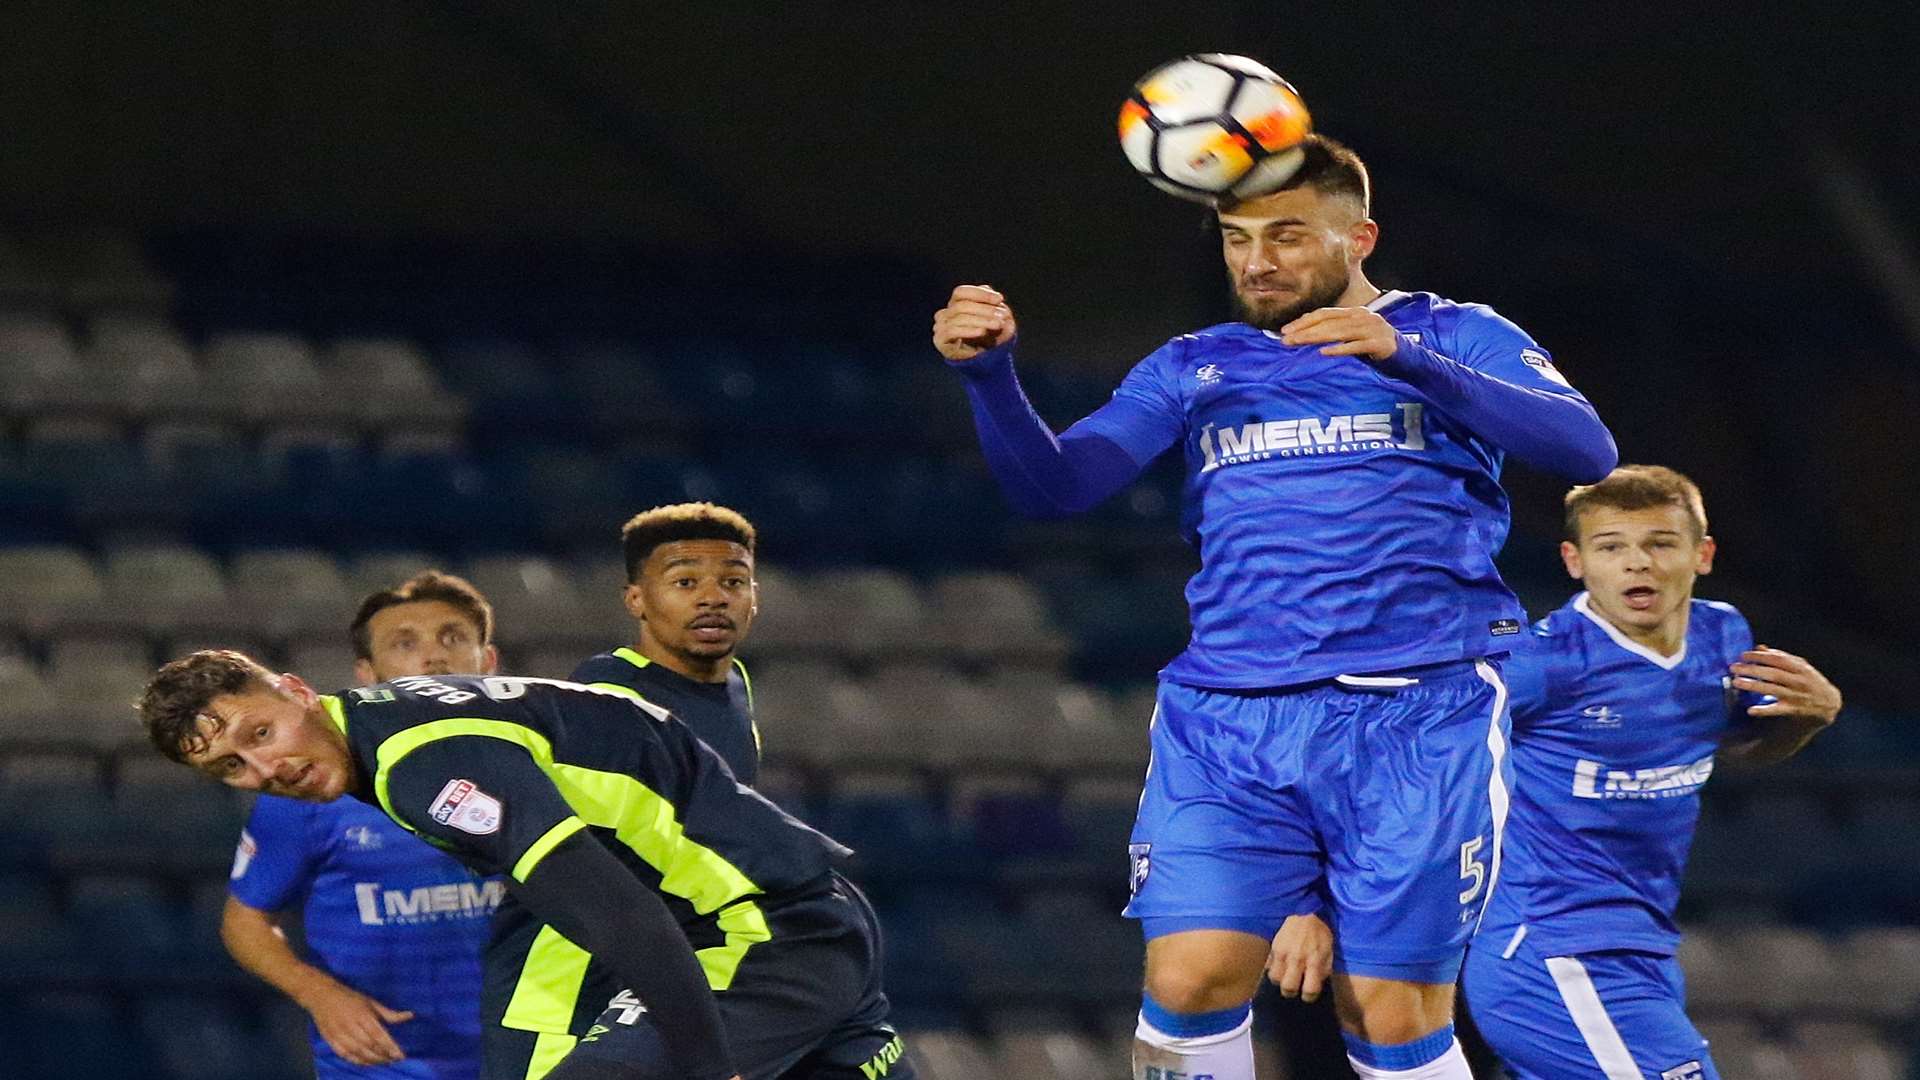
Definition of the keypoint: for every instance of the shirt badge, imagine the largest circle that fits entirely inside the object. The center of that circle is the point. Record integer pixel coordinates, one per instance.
(462, 805)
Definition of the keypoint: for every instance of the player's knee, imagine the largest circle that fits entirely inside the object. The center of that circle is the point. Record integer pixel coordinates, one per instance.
(1192, 990)
(1388, 1011)
(1204, 972)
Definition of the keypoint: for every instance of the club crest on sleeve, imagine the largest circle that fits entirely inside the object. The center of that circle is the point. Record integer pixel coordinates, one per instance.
(243, 855)
(1538, 361)
(462, 805)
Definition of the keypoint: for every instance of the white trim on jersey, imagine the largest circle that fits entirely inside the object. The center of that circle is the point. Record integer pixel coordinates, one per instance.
(1590, 1016)
(1519, 935)
(1391, 296)
(1668, 662)
(1497, 795)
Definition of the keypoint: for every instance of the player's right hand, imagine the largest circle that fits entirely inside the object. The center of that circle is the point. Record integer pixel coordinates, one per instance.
(975, 319)
(1302, 957)
(354, 1025)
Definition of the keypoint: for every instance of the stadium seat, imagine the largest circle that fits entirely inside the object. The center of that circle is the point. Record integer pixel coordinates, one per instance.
(996, 616)
(1881, 972)
(205, 1039)
(148, 367)
(108, 269)
(533, 600)
(894, 826)
(949, 1055)
(1011, 817)
(1035, 1053)
(290, 593)
(870, 612)
(375, 571)
(262, 377)
(131, 920)
(327, 666)
(393, 384)
(1843, 1050)
(786, 623)
(47, 1047)
(31, 709)
(39, 372)
(1780, 969)
(168, 588)
(95, 683)
(794, 704)
(47, 589)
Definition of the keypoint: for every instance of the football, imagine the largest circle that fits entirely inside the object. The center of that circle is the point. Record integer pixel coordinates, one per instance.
(1212, 127)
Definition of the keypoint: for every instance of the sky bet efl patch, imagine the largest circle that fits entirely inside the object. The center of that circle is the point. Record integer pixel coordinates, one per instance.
(462, 805)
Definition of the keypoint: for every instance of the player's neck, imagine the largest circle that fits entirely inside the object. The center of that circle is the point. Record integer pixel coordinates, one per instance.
(697, 668)
(1360, 292)
(1667, 638)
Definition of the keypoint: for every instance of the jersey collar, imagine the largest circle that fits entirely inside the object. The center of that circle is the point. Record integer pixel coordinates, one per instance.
(1581, 605)
(335, 711)
(631, 657)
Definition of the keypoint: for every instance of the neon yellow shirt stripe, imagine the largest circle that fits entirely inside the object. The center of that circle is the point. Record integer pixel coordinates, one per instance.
(642, 820)
(539, 848)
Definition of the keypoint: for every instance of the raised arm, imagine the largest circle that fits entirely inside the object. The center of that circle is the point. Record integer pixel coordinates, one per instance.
(1502, 387)
(1044, 475)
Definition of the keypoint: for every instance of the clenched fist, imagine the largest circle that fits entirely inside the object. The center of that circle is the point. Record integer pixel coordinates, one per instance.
(975, 319)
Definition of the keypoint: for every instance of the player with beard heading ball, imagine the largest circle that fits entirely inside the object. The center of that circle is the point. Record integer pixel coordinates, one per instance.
(1332, 739)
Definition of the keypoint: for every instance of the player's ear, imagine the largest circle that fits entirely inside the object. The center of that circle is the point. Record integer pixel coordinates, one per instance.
(1362, 237)
(490, 661)
(1570, 557)
(1703, 564)
(295, 687)
(635, 601)
(363, 672)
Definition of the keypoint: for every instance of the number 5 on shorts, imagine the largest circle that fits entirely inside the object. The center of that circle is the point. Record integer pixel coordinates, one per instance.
(1471, 867)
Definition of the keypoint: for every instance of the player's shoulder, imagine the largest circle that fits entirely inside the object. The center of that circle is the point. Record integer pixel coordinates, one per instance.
(607, 666)
(1721, 622)
(273, 814)
(1458, 320)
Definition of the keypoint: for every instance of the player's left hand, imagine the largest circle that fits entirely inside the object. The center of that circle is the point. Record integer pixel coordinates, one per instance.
(1799, 687)
(1344, 331)
(1302, 957)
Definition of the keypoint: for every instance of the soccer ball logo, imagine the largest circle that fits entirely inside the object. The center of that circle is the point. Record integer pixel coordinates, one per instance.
(1213, 127)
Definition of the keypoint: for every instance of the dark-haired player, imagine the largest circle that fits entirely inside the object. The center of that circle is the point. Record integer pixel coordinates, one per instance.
(395, 927)
(690, 591)
(1622, 701)
(612, 823)
(1333, 733)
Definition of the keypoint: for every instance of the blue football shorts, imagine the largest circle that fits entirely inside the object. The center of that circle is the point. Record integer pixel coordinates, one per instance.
(1595, 1016)
(1376, 801)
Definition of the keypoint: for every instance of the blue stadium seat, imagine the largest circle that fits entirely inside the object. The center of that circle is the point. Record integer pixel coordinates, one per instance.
(197, 1038)
(75, 1036)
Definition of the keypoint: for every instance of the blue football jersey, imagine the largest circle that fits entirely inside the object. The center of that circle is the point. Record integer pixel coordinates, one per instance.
(1611, 745)
(385, 913)
(1345, 524)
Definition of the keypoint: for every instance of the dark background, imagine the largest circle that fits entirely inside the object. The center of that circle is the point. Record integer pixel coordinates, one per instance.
(1708, 217)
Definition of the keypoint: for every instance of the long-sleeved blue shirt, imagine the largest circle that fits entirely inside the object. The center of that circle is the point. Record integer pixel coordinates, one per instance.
(1347, 514)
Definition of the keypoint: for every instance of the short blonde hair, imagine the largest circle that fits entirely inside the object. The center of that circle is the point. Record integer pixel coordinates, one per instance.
(1637, 487)
(681, 521)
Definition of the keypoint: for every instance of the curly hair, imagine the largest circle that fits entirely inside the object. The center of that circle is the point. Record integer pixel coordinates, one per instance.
(177, 696)
(681, 521)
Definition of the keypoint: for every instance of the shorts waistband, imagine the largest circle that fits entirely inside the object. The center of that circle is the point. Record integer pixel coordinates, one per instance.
(1390, 679)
